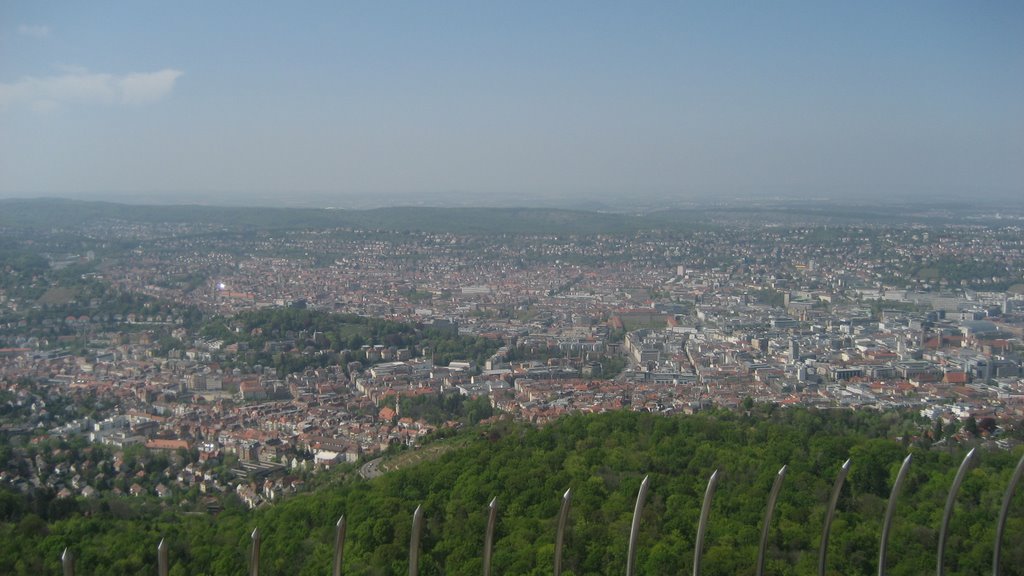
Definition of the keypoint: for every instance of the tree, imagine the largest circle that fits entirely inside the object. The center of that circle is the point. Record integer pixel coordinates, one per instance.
(971, 426)
(603, 458)
(871, 464)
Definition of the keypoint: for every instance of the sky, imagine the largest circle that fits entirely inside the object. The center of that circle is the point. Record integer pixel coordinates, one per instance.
(510, 103)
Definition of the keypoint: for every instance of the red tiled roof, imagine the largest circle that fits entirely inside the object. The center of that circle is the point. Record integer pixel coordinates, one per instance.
(955, 378)
(158, 444)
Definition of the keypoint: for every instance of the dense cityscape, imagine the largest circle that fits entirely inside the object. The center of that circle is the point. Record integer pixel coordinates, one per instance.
(188, 362)
(461, 288)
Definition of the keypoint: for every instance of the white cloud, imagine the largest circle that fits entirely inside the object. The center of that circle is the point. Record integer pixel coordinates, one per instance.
(37, 32)
(79, 86)
(148, 87)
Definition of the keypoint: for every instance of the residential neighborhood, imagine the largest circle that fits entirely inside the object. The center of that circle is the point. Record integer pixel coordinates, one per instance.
(190, 344)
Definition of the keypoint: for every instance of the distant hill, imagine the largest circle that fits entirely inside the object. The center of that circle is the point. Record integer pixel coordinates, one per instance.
(47, 213)
(62, 213)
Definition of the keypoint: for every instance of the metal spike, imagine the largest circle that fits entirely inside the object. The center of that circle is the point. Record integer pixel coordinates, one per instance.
(837, 487)
(254, 554)
(414, 541)
(889, 511)
(67, 562)
(1003, 511)
(492, 519)
(162, 564)
(702, 526)
(339, 545)
(772, 498)
(950, 502)
(635, 529)
(563, 515)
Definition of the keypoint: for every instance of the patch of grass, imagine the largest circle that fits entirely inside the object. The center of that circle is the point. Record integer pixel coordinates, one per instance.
(58, 296)
(637, 321)
(426, 453)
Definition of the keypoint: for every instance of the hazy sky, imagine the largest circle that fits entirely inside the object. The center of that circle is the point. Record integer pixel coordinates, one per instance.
(224, 102)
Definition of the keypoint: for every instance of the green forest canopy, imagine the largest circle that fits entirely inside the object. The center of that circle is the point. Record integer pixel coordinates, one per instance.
(603, 458)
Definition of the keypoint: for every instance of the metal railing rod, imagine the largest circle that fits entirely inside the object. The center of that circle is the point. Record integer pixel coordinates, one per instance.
(948, 513)
(162, 563)
(702, 525)
(563, 516)
(889, 511)
(339, 545)
(67, 562)
(254, 554)
(826, 530)
(635, 528)
(1004, 510)
(414, 541)
(769, 512)
(492, 520)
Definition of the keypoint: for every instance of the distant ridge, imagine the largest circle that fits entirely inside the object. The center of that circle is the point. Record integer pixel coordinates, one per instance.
(49, 213)
(64, 213)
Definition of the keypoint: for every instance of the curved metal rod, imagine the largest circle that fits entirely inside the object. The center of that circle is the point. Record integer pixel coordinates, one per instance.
(339, 545)
(67, 562)
(702, 526)
(635, 528)
(950, 502)
(414, 541)
(563, 515)
(492, 519)
(889, 511)
(772, 498)
(162, 563)
(837, 487)
(254, 554)
(1003, 511)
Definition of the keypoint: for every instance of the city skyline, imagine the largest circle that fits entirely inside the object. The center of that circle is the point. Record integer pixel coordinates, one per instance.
(455, 103)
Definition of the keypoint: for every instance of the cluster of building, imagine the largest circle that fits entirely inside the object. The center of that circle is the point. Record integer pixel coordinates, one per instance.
(590, 324)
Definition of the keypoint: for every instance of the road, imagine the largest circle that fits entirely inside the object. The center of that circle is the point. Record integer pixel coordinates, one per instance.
(371, 469)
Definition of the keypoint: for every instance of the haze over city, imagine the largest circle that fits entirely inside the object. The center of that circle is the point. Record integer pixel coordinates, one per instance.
(333, 104)
(450, 285)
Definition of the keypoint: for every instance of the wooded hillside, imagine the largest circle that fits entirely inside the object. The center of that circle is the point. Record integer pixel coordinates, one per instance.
(603, 458)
